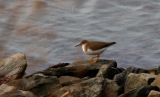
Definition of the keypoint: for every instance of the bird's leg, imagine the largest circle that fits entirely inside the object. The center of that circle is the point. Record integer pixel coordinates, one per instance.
(96, 58)
(91, 60)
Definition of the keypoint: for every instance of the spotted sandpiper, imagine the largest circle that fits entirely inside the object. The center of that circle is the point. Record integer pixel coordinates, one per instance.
(94, 48)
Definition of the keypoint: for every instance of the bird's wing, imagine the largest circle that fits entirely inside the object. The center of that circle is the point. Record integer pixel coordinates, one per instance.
(98, 45)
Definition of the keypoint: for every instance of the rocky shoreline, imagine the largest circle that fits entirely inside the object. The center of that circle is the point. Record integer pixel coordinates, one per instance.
(79, 79)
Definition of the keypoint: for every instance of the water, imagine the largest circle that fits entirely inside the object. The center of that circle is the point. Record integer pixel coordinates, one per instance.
(47, 30)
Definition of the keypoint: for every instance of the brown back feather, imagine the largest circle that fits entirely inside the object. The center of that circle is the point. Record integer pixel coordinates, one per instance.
(98, 45)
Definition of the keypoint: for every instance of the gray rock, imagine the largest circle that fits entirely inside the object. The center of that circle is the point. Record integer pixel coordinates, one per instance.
(110, 88)
(38, 83)
(137, 80)
(120, 78)
(140, 92)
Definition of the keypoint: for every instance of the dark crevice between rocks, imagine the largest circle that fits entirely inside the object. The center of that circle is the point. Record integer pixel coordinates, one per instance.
(120, 90)
(144, 91)
(150, 80)
(111, 72)
(40, 90)
(59, 65)
(140, 92)
(136, 70)
(120, 79)
(64, 71)
(91, 73)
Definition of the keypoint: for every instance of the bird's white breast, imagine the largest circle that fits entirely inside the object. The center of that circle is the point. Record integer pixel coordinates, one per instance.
(91, 52)
(84, 48)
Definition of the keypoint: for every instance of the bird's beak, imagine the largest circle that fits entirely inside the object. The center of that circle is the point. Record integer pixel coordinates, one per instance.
(78, 44)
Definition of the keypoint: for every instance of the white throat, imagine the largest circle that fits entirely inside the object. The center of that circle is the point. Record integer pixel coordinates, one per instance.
(84, 48)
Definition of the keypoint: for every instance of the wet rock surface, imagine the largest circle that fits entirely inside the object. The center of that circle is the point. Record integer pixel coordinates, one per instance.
(79, 79)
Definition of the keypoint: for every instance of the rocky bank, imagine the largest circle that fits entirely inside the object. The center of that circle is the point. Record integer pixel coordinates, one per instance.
(78, 79)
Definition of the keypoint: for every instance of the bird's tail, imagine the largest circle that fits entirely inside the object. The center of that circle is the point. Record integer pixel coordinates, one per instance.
(111, 43)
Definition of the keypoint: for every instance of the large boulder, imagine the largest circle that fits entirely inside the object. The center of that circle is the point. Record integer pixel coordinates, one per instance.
(121, 77)
(12, 67)
(134, 81)
(142, 91)
(82, 69)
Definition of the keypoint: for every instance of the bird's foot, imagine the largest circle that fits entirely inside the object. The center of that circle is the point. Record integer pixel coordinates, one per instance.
(93, 60)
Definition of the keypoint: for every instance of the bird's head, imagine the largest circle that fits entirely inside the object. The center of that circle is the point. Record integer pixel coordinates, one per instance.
(81, 43)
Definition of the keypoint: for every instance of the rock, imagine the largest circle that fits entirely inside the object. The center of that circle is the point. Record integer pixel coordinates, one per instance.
(108, 71)
(70, 79)
(120, 79)
(82, 79)
(79, 69)
(18, 93)
(144, 90)
(13, 67)
(110, 88)
(158, 70)
(67, 80)
(156, 81)
(88, 88)
(137, 80)
(136, 70)
(38, 84)
(4, 88)
(131, 93)
(154, 94)
(59, 65)
(11, 91)
(102, 71)
(95, 69)
(140, 92)
(154, 71)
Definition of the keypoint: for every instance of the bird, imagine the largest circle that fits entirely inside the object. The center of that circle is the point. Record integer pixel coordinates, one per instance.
(94, 48)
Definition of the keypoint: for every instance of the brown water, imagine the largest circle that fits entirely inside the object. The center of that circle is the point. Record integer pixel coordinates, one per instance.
(47, 30)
